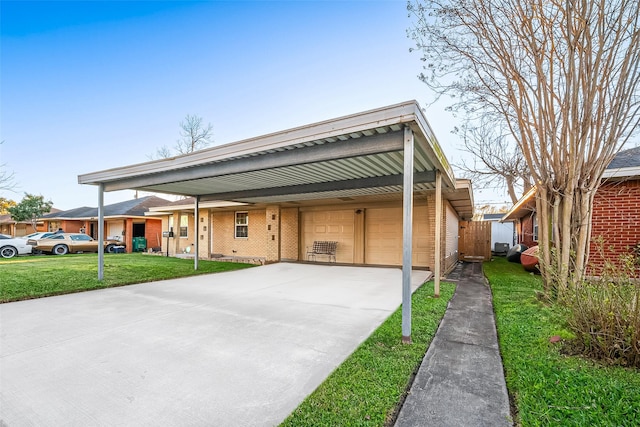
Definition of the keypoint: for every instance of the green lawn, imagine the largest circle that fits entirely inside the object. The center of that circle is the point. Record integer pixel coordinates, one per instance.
(548, 387)
(367, 388)
(39, 276)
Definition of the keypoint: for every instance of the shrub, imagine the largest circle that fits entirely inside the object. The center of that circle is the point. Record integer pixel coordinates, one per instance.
(605, 313)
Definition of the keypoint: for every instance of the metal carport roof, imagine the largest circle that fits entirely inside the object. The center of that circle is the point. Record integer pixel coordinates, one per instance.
(356, 155)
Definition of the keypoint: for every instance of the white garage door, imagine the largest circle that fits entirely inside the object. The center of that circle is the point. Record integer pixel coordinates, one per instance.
(383, 236)
(335, 225)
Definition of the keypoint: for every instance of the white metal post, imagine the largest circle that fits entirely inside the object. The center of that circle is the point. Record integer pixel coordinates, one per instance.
(196, 245)
(407, 234)
(100, 231)
(438, 237)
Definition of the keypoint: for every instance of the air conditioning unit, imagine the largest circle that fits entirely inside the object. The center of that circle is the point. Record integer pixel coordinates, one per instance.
(501, 248)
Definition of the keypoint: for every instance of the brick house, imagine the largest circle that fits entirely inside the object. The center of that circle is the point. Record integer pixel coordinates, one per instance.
(14, 228)
(122, 221)
(616, 210)
(343, 180)
(615, 215)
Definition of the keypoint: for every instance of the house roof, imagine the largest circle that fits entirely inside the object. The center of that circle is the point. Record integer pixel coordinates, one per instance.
(626, 164)
(129, 208)
(524, 206)
(358, 155)
(492, 216)
(6, 218)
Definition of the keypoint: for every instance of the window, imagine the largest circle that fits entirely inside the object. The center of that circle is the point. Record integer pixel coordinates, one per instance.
(81, 237)
(184, 225)
(242, 224)
(535, 228)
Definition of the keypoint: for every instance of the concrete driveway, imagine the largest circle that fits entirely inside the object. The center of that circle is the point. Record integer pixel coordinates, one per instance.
(242, 348)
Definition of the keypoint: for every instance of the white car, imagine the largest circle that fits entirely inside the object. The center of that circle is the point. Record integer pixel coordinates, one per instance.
(10, 247)
(38, 235)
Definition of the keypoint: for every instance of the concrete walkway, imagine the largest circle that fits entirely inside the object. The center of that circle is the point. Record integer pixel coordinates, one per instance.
(461, 381)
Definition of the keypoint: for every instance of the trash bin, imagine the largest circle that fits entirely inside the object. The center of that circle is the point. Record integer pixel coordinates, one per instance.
(139, 244)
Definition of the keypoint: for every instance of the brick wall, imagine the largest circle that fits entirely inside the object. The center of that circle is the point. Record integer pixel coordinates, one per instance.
(272, 222)
(289, 227)
(225, 242)
(525, 231)
(153, 232)
(616, 218)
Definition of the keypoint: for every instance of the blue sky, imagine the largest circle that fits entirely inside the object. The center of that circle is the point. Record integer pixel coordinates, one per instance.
(87, 86)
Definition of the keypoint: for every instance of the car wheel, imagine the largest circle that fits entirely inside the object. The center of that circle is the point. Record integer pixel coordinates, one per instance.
(60, 249)
(8, 252)
(109, 248)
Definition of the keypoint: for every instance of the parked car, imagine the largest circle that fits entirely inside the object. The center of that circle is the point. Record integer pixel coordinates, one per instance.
(64, 243)
(10, 246)
(38, 235)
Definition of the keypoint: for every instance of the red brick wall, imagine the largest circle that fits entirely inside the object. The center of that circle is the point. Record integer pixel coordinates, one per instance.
(153, 232)
(616, 218)
(525, 231)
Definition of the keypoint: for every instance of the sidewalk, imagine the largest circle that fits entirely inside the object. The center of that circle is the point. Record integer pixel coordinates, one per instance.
(461, 381)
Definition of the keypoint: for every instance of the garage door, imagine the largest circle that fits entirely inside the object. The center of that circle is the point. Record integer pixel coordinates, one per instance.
(115, 229)
(335, 225)
(383, 236)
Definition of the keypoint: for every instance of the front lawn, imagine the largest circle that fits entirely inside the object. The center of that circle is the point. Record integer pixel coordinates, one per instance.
(548, 387)
(366, 389)
(39, 276)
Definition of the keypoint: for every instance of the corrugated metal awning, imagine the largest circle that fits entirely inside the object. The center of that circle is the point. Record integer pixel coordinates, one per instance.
(352, 156)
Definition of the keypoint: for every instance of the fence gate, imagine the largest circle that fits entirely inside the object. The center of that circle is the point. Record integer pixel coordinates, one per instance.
(474, 243)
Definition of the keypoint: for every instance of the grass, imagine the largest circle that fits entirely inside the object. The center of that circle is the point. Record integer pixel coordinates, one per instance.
(367, 388)
(547, 386)
(39, 276)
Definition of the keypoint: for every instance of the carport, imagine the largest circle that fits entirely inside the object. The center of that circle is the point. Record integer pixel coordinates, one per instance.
(385, 151)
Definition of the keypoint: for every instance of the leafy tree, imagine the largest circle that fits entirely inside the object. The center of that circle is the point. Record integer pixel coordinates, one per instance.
(30, 208)
(194, 136)
(563, 77)
(5, 204)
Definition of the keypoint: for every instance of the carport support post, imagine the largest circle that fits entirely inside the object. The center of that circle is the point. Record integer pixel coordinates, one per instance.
(100, 231)
(196, 220)
(438, 236)
(407, 234)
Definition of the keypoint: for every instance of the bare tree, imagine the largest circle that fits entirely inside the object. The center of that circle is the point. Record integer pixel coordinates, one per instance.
(563, 76)
(497, 160)
(7, 178)
(194, 136)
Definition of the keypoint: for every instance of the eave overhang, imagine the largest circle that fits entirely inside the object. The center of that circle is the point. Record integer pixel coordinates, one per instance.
(355, 155)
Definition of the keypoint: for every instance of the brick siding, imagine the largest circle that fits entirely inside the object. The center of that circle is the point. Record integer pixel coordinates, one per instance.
(616, 219)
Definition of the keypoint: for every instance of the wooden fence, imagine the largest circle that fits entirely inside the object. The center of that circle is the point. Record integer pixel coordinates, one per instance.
(474, 243)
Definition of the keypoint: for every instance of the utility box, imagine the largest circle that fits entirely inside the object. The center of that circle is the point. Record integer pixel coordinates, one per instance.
(139, 244)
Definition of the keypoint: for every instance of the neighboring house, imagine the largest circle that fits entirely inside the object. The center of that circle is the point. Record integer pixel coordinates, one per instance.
(501, 232)
(123, 221)
(616, 209)
(271, 197)
(523, 215)
(13, 228)
(615, 215)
